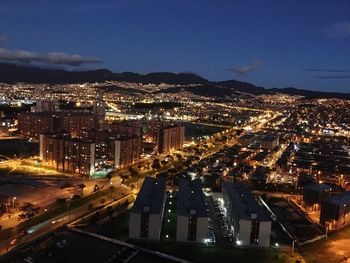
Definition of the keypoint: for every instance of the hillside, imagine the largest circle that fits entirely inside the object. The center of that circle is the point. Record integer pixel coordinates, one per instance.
(11, 73)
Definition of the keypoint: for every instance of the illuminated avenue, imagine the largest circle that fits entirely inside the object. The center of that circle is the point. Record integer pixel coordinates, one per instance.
(82, 152)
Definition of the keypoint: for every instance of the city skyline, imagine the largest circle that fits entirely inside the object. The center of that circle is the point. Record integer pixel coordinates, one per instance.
(269, 44)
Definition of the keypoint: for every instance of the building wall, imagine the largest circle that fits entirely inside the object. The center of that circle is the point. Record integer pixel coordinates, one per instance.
(171, 138)
(33, 124)
(269, 144)
(243, 232)
(335, 215)
(182, 229)
(202, 229)
(67, 155)
(134, 225)
(264, 234)
(127, 152)
(312, 197)
(46, 105)
(155, 225)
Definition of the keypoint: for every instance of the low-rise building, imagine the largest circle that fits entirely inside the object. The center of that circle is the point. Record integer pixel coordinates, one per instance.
(269, 142)
(315, 194)
(192, 216)
(146, 215)
(335, 211)
(250, 223)
(247, 139)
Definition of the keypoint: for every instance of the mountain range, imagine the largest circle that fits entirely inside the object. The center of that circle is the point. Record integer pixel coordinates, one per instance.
(13, 73)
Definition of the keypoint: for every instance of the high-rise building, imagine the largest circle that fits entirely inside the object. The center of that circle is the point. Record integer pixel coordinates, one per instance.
(32, 124)
(146, 215)
(171, 138)
(99, 109)
(122, 150)
(192, 217)
(46, 106)
(165, 136)
(127, 151)
(76, 122)
(124, 128)
(65, 154)
(250, 222)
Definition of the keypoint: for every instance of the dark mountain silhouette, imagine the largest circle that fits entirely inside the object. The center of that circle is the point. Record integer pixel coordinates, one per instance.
(311, 94)
(243, 87)
(13, 73)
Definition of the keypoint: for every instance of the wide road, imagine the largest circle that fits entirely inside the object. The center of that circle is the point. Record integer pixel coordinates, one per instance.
(63, 219)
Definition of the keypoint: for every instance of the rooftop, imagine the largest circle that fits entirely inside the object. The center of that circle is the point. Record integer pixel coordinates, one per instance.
(341, 199)
(270, 138)
(244, 202)
(318, 187)
(151, 196)
(191, 198)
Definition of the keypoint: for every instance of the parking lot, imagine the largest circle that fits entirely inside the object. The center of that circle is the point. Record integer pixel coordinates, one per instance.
(218, 226)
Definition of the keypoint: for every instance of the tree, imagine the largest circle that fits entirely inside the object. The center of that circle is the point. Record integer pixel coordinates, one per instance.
(109, 176)
(133, 172)
(156, 164)
(82, 186)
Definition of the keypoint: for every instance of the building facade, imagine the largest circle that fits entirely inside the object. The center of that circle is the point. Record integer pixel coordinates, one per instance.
(61, 152)
(32, 124)
(46, 105)
(171, 138)
(269, 142)
(192, 217)
(314, 195)
(335, 211)
(127, 151)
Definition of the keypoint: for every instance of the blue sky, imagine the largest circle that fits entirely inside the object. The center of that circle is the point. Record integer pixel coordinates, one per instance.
(272, 43)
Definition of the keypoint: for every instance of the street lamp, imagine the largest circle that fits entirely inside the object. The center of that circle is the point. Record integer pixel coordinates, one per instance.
(13, 201)
(293, 246)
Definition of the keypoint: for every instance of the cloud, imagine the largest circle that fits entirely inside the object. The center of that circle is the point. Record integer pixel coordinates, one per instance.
(326, 70)
(334, 77)
(242, 70)
(340, 29)
(54, 58)
(71, 60)
(2, 39)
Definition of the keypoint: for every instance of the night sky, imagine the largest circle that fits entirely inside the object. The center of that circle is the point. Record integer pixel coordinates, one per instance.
(272, 43)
